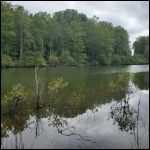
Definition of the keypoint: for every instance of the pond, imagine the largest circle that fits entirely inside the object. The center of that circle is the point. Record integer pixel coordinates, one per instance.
(102, 107)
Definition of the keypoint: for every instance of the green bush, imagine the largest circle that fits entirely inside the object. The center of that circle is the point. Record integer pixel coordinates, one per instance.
(6, 61)
(124, 60)
(94, 62)
(66, 59)
(16, 97)
(81, 59)
(32, 58)
(138, 59)
(53, 60)
(56, 85)
(71, 61)
(103, 59)
(116, 60)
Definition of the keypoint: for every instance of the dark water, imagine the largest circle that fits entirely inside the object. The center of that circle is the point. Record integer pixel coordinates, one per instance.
(102, 107)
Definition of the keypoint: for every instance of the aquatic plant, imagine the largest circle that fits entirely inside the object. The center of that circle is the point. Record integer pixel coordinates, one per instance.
(16, 97)
(56, 85)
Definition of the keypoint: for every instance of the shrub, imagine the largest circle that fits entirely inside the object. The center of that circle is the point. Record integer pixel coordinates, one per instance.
(138, 59)
(56, 85)
(103, 59)
(32, 58)
(116, 60)
(123, 60)
(66, 59)
(53, 60)
(81, 58)
(71, 61)
(94, 62)
(16, 97)
(6, 61)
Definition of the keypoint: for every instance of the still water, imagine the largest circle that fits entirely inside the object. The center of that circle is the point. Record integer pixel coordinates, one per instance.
(102, 107)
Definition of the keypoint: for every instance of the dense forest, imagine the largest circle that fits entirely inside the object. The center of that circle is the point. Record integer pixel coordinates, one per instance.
(65, 38)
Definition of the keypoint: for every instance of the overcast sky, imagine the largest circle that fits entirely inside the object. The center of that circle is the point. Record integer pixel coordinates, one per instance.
(132, 15)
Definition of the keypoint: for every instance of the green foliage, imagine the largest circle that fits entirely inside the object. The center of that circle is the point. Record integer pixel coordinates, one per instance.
(69, 15)
(7, 28)
(125, 60)
(141, 48)
(32, 58)
(141, 45)
(76, 35)
(138, 59)
(121, 41)
(6, 61)
(16, 97)
(116, 60)
(53, 60)
(56, 85)
(69, 35)
(71, 61)
(104, 60)
(94, 62)
(146, 52)
(66, 59)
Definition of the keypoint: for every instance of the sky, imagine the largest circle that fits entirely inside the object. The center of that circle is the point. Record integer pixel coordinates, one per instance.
(132, 15)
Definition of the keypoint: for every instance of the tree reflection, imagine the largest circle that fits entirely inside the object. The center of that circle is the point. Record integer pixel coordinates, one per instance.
(38, 125)
(141, 79)
(69, 103)
(18, 141)
(4, 133)
(16, 123)
(128, 118)
(64, 128)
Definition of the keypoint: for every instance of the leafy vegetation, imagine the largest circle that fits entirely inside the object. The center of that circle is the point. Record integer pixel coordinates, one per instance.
(66, 59)
(6, 61)
(64, 38)
(31, 59)
(141, 49)
(19, 95)
(16, 98)
(53, 60)
(56, 85)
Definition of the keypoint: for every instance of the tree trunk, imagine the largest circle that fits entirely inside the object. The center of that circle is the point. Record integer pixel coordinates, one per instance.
(21, 47)
(37, 97)
(50, 51)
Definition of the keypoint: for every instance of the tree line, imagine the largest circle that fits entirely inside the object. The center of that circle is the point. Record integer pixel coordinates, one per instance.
(65, 38)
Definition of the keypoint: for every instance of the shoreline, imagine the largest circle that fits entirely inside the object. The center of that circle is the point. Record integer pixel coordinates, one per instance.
(66, 66)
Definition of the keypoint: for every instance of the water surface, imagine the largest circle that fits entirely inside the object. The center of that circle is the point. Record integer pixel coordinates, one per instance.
(102, 107)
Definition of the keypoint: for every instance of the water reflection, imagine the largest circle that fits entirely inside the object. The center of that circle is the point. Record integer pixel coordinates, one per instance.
(128, 118)
(70, 104)
(38, 125)
(73, 102)
(15, 123)
(141, 80)
(64, 128)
